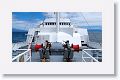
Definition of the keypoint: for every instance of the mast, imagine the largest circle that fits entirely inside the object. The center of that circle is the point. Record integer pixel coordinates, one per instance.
(57, 24)
(57, 21)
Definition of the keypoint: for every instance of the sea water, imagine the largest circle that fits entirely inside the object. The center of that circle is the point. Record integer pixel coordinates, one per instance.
(18, 37)
(94, 36)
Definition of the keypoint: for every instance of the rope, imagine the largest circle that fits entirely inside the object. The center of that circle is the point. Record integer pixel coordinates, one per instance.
(84, 18)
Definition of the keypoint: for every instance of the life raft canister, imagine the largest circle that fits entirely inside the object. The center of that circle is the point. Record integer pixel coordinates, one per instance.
(38, 46)
(75, 47)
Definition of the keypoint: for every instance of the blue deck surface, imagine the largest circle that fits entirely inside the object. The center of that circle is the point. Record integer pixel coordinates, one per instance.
(57, 58)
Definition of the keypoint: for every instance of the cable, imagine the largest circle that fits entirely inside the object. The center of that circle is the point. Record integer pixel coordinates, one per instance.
(84, 18)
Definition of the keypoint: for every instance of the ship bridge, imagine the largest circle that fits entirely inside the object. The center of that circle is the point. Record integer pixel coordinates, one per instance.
(52, 25)
(63, 22)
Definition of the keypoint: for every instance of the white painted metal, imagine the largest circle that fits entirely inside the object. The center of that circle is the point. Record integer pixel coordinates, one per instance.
(26, 54)
(57, 21)
(58, 32)
(84, 51)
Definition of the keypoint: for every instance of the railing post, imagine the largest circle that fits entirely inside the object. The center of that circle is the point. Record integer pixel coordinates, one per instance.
(97, 56)
(82, 56)
(30, 54)
(24, 57)
(91, 60)
(18, 59)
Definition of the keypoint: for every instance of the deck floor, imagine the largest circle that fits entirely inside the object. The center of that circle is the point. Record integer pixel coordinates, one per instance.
(56, 58)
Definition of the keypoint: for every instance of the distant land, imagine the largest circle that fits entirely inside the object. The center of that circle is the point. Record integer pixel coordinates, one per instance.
(18, 30)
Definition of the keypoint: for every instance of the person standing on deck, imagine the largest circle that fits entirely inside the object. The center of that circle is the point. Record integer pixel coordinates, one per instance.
(48, 46)
(69, 50)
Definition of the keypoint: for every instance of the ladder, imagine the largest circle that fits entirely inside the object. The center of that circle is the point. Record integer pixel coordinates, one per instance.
(30, 37)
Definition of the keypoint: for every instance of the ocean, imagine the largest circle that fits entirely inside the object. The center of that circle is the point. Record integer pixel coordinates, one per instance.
(18, 37)
(94, 36)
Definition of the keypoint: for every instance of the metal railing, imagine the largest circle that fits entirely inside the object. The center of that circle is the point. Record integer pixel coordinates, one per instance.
(87, 56)
(25, 56)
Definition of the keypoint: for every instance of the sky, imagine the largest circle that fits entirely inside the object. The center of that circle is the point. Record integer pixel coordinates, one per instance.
(26, 20)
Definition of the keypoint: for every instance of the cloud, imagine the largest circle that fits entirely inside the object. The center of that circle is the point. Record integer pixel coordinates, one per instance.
(23, 24)
(81, 18)
(77, 18)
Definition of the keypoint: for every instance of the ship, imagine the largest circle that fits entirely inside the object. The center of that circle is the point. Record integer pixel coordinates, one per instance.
(56, 39)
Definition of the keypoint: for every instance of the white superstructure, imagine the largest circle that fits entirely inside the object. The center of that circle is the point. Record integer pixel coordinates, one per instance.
(57, 30)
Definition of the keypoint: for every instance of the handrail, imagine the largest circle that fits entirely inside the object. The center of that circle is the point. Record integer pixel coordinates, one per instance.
(89, 55)
(24, 53)
(91, 49)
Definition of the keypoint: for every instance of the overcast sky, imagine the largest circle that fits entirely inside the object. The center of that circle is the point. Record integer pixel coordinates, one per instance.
(26, 20)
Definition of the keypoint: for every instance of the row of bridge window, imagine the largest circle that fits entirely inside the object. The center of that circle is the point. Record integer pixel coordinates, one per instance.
(61, 23)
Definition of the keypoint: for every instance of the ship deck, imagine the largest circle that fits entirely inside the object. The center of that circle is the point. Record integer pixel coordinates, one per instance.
(56, 58)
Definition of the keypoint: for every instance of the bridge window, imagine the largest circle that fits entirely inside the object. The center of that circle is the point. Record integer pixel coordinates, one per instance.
(64, 23)
(76, 32)
(59, 23)
(68, 23)
(50, 23)
(54, 23)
